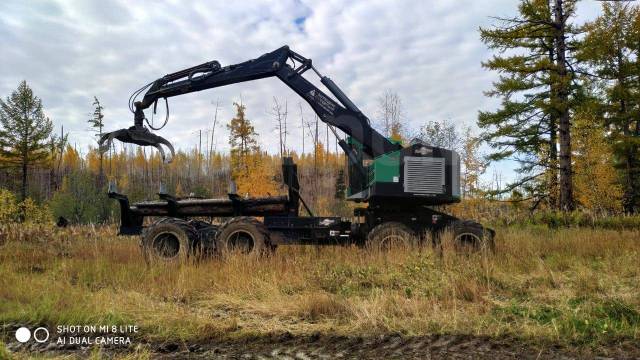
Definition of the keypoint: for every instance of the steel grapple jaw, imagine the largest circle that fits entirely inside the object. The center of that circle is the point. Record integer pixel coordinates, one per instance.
(138, 135)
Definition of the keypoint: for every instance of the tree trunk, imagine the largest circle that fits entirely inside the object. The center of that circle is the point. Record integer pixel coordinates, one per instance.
(101, 176)
(631, 197)
(553, 142)
(630, 191)
(553, 162)
(635, 171)
(23, 190)
(566, 183)
(628, 195)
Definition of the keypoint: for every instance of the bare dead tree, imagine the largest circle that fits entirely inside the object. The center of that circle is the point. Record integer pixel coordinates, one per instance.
(286, 132)
(302, 125)
(199, 155)
(316, 140)
(211, 146)
(313, 131)
(213, 126)
(279, 112)
(390, 113)
(327, 141)
(206, 146)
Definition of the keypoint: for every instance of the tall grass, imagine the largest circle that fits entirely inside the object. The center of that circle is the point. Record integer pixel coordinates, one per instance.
(568, 286)
(499, 213)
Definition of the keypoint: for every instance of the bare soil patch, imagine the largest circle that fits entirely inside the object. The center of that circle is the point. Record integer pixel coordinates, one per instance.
(317, 346)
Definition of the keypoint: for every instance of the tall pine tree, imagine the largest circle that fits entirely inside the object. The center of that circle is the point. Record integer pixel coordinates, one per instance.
(24, 132)
(242, 139)
(97, 124)
(610, 49)
(535, 85)
(248, 164)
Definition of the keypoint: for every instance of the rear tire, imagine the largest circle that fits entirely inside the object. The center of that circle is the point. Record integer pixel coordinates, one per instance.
(245, 235)
(169, 240)
(469, 236)
(389, 235)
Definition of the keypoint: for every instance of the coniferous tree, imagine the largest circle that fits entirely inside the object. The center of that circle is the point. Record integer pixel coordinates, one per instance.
(242, 139)
(24, 132)
(248, 167)
(536, 87)
(561, 84)
(97, 124)
(610, 49)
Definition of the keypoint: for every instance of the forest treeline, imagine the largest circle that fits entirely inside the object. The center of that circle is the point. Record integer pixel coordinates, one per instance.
(569, 104)
(568, 115)
(75, 185)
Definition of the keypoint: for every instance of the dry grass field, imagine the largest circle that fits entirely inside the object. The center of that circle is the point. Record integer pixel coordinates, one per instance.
(573, 288)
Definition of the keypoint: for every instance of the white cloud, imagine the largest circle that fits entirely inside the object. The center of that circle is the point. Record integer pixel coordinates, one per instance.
(428, 52)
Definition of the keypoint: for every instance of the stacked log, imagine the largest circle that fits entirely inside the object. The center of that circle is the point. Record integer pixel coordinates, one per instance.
(264, 206)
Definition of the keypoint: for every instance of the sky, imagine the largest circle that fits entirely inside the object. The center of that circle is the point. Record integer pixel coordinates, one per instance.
(428, 52)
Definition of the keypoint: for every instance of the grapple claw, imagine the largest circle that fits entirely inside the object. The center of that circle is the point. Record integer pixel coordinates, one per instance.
(104, 143)
(138, 135)
(157, 146)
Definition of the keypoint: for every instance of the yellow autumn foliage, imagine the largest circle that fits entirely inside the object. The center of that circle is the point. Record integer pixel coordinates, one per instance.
(8, 206)
(595, 179)
(11, 210)
(34, 213)
(71, 159)
(93, 161)
(257, 179)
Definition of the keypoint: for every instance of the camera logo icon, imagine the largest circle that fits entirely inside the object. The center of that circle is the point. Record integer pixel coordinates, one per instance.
(40, 334)
(23, 334)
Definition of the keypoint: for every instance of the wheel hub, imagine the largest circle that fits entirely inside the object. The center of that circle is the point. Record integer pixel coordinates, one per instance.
(241, 241)
(467, 240)
(393, 240)
(166, 245)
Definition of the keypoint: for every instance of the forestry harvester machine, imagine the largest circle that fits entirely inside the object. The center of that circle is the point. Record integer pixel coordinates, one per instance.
(398, 186)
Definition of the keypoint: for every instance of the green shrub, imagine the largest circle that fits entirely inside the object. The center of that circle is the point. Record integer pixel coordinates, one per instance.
(28, 211)
(80, 200)
(34, 213)
(8, 207)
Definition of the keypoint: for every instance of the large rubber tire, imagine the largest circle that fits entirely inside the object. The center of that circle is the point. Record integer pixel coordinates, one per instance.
(244, 235)
(469, 236)
(169, 240)
(389, 235)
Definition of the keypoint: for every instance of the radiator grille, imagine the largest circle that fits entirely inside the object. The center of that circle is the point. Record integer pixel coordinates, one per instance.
(423, 175)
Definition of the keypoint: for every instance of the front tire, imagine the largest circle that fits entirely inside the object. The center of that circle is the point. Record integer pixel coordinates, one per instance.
(390, 235)
(469, 236)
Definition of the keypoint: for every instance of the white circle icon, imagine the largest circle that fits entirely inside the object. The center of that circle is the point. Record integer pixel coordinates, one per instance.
(23, 334)
(41, 334)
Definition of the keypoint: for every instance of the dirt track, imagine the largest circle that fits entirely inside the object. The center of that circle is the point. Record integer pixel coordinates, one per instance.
(287, 346)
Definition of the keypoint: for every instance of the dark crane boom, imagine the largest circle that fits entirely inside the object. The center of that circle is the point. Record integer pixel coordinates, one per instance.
(283, 63)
